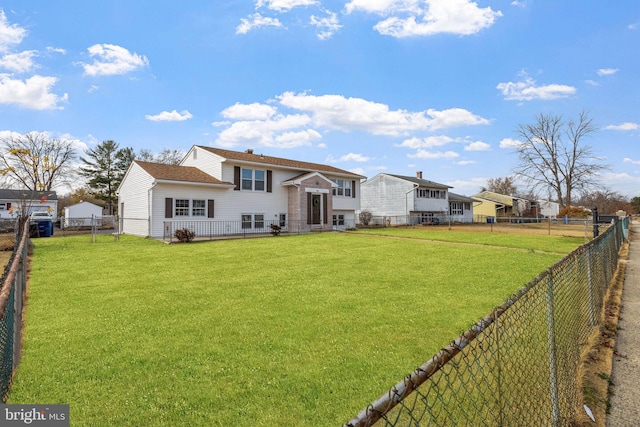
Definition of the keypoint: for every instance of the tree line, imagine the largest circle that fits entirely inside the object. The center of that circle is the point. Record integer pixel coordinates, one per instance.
(554, 162)
(36, 162)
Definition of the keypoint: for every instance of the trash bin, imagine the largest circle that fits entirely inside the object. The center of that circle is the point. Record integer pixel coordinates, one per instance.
(491, 220)
(45, 228)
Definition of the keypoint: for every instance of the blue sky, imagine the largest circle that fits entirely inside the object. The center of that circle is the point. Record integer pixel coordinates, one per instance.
(369, 86)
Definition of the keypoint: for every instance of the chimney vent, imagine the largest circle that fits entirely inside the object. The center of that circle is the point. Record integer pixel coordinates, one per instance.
(419, 174)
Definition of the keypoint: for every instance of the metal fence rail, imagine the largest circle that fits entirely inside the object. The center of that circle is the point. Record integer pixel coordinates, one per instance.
(518, 365)
(11, 300)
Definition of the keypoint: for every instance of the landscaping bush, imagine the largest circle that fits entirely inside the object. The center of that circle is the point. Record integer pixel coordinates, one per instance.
(184, 235)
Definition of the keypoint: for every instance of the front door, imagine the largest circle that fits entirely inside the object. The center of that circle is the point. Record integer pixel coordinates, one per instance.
(316, 209)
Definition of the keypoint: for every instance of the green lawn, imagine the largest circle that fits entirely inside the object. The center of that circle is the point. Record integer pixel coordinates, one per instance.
(286, 331)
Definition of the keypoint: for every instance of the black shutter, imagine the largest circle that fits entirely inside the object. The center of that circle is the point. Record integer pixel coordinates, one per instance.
(309, 208)
(353, 189)
(168, 207)
(210, 208)
(269, 176)
(236, 177)
(325, 207)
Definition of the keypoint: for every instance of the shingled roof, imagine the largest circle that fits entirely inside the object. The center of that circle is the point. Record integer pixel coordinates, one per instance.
(422, 182)
(249, 157)
(178, 173)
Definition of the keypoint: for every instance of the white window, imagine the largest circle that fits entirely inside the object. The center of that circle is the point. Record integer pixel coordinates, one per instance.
(198, 208)
(253, 179)
(423, 193)
(343, 189)
(338, 219)
(3, 206)
(283, 220)
(455, 208)
(182, 207)
(252, 221)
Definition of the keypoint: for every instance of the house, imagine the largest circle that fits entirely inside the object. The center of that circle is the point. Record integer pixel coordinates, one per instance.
(14, 203)
(404, 200)
(549, 209)
(222, 192)
(489, 204)
(460, 208)
(81, 214)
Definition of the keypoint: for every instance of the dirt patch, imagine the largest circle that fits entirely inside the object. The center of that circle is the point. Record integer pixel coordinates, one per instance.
(595, 374)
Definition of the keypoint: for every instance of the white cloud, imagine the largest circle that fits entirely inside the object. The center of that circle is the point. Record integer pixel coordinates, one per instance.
(465, 162)
(327, 26)
(471, 186)
(526, 90)
(262, 123)
(519, 3)
(350, 114)
(296, 139)
(592, 82)
(633, 162)
(256, 21)
(264, 133)
(10, 34)
(477, 146)
(408, 18)
(170, 116)
(427, 142)
(253, 111)
(111, 60)
(351, 157)
(56, 50)
(424, 154)
(623, 126)
(510, 143)
(607, 71)
(19, 62)
(284, 5)
(33, 93)
(454, 117)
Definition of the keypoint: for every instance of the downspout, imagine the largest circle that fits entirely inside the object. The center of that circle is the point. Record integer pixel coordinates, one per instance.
(406, 201)
(150, 212)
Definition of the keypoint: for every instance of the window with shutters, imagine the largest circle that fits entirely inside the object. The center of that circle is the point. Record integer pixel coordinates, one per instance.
(182, 207)
(343, 189)
(253, 179)
(198, 208)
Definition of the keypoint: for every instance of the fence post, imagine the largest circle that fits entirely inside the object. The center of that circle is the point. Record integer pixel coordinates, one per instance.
(551, 342)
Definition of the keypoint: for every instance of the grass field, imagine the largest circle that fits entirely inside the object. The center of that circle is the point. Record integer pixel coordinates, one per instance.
(294, 330)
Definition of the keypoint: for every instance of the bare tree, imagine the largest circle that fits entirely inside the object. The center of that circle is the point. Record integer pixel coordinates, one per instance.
(504, 186)
(552, 155)
(606, 200)
(34, 161)
(166, 156)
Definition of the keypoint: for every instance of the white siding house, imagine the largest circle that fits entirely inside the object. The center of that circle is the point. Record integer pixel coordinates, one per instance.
(222, 192)
(460, 208)
(405, 199)
(81, 214)
(14, 203)
(549, 209)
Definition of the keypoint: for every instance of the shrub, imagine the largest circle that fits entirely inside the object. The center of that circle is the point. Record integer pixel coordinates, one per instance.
(184, 235)
(573, 212)
(365, 217)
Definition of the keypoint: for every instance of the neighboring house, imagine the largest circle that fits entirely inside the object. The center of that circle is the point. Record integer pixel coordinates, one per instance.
(215, 191)
(405, 199)
(81, 214)
(490, 204)
(549, 209)
(14, 202)
(460, 208)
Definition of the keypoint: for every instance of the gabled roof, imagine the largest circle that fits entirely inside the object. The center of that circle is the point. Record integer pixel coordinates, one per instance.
(422, 182)
(453, 197)
(27, 195)
(249, 157)
(495, 197)
(164, 172)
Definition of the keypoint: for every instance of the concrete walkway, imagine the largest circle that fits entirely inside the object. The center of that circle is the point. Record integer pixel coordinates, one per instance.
(625, 403)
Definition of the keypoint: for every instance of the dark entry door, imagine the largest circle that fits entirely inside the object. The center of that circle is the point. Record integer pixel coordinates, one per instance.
(316, 202)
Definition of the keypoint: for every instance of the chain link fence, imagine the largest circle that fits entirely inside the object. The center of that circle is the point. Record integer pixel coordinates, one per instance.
(11, 301)
(519, 365)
